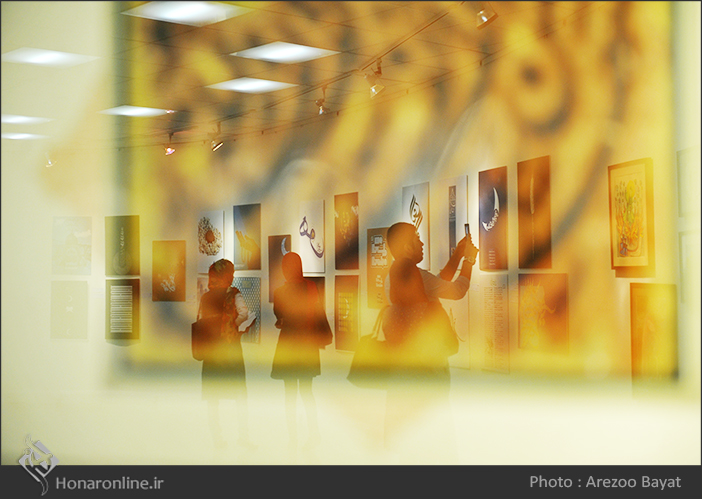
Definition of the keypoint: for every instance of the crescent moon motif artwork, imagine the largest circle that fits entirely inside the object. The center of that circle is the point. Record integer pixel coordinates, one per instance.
(496, 213)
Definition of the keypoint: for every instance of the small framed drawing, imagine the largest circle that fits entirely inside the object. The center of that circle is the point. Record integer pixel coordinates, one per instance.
(631, 215)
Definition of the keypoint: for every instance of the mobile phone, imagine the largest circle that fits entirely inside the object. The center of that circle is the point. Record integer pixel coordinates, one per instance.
(467, 229)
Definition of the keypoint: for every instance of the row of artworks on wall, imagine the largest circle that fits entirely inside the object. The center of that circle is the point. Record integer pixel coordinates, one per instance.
(543, 298)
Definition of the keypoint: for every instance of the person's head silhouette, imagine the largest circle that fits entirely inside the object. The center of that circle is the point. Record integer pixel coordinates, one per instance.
(292, 267)
(221, 274)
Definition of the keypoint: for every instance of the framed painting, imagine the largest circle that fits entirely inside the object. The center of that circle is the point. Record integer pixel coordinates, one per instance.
(534, 213)
(379, 260)
(250, 288)
(654, 330)
(311, 231)
(543, 312)
(247, 237)
(122, 245)
(122, 309)
(168, 271)
(346, 231)
(69, 310)
(72, 245)
(346, 312)
(278, 246)
(631, 214)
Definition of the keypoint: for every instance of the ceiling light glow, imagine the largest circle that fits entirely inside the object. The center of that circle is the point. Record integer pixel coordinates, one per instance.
(282, 52)
(22, 136)
(188, 13)
(135, 111)
(23, 120)
(251, 85)
(51, 58)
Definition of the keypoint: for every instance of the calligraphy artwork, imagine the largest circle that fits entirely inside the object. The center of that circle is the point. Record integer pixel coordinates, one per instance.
(377, 265)
(247, 237)
(277, 247)
(631, 214)
(654, 330)
(72, 245)
(346, 312)
(346, 231)
(543, 312)
(168, 271)
(534, 213)
(449, 204)
(492, 214)
(210, 239)
(415, 210)
(69, 310)
(122, 246)
(311, 233)
(122, 309)
(250, 288)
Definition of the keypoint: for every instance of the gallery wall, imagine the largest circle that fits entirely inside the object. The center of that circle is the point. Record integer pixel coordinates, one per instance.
(631, 110)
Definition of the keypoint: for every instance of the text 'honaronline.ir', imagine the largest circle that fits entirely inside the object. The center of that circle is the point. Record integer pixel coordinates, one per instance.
(124, 483)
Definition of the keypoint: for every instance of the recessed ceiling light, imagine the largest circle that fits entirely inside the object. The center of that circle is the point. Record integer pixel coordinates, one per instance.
(136, 111)
(284, 52)
(189, 13)
(251, 85)
(22, 136)
(23, 120)
(41, 57)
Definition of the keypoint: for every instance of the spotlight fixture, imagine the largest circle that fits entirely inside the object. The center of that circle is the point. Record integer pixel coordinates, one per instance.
(486, 15)
(216, 142)
(320, 102)
(373, 80)
(49, 163)
(169, 148)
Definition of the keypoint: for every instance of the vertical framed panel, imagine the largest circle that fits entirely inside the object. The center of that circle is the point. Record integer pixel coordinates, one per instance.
(346, 312)
(122, 309)
(346, 231)
(492, 188)
(534, 213)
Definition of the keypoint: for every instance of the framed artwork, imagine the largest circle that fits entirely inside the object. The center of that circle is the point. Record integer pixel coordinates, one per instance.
(415, 210)
(631, 214)
(210, 239)
(688, 181)
(277, 247)
(311, 230)
(168, 271)
(346, 312)
(346, 231)
(495, 322)
(534, 213)
(122, 246)
(689, 248)
(202, 287)
(122, 309)
(72, 245)
(449, 199)
(492, 214)
(250, 288)
(543, 312)
(247, 237)
(69, 310)
(379, 260)
(654, 330)
(321, 289)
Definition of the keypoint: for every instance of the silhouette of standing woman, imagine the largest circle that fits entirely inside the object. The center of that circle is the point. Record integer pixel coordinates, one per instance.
(223, 370)
(296, 359)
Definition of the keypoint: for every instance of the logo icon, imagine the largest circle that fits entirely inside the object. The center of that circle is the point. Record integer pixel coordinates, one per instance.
(38, 461)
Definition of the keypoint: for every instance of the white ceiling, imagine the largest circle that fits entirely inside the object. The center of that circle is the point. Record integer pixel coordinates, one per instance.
(419, 44)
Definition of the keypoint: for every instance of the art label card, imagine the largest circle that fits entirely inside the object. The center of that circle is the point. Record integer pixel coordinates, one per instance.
(496, 323)
(250, 288)
(534, 213)
(247, 237)
(346, 231)
(492, 229)
(415, 210)
(346, 312)
(277, 247)
(654, 330)
(122, 250)
(311, 230)
(168, 271)
(210, 239)
(543, 312)
(69, 310)
(122, 309)
(72, 245)
(378, 265)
